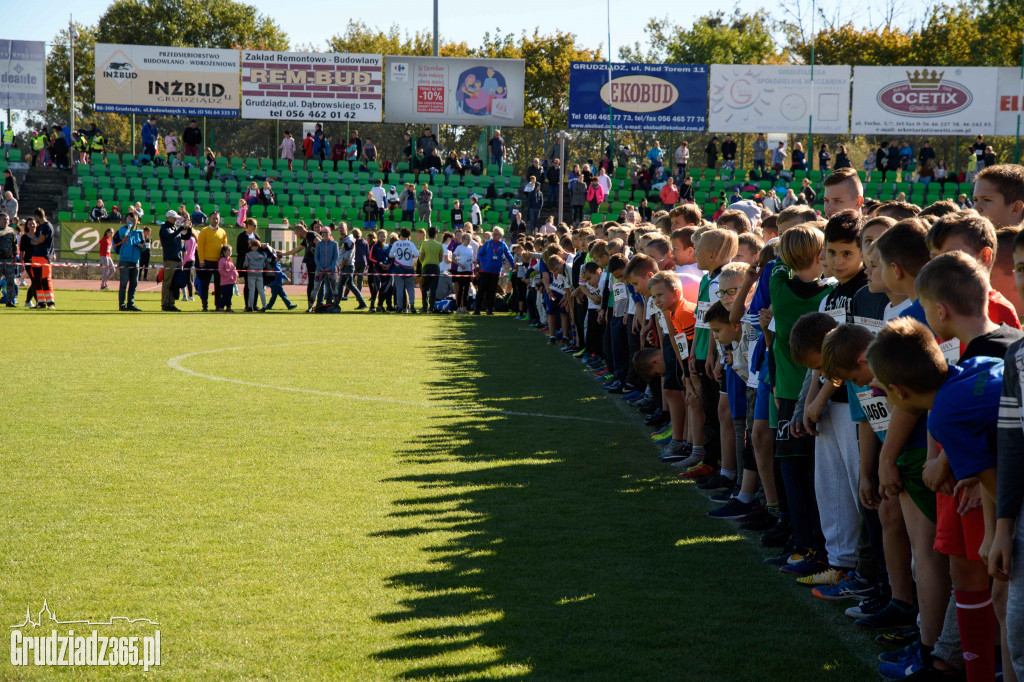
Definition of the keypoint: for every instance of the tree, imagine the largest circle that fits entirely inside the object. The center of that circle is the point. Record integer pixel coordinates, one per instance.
(360, 38)
(716, 38)
(193, 23)
(847, 44)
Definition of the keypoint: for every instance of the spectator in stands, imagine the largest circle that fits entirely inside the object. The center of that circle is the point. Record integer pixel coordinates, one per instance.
(963, 201)
(790, 199)
(779, 158)
(394, 202)
(656, 157)
(771, 201)
(669, 194)
(595, 195)
(149, 137)
(881, 157)
(211, 166)
(533, 197)
(267, 196)
(798, 158)
(198, 217)
(645, 211)
(941, 174)
(286, 148)
(606, 181)
(760, 148)
(359, 144)
(371, 211)
(98, 213)
(711, 153)
(407, 202)
(425, 203)
(115, 215)
(989, 157)
(170, 144)
(682, 155)
(338, 151)
(926, 173)
(193, 137)
(906, 156)
(427, 142)
(251, 196)
(10, 207)
(808, 191)
(577, 199)
(892, 158)
(307, 148)
(351, 151)
(842, 159)
(10, 184)
(60, 150)
(823, 157)
(926, 154)
(686, 195)
(452, 165)
(728, 153)
(497, 148)
(432, 162)
(554, 180)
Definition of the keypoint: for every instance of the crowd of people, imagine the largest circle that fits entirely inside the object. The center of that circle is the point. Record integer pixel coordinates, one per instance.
(847, 384)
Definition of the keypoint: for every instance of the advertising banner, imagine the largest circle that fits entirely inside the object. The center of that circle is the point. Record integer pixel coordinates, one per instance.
(1009, 100)
(312, 86)
(642, 96)
(755, 99)
(455, 91)
(172, 81)
(924, 100)
(23, 75)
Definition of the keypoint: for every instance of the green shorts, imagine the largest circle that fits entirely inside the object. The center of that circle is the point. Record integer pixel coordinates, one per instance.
(773, 411)
(911, 466)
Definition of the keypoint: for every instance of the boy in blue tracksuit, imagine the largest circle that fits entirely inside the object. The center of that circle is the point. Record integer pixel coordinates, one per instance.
(276, 279)
(127, 245)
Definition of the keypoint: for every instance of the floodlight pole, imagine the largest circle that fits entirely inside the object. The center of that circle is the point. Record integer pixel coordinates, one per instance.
(71, 53)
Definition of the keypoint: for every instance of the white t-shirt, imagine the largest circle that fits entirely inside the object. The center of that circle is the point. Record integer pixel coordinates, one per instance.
(379, 195)
(690, 276)
(464, 256)
(404, 253)
(594, 291)
(606, 183)
(475, 216)
(892, 312)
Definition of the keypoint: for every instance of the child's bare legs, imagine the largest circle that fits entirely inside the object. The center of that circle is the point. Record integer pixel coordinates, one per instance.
(933, 582)
(694, 412)
(727, 434)
(565, 326)
(897, 550)
(762, 439)
(1000, 590)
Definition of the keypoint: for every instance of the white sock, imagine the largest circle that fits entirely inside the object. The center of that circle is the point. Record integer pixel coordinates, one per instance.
(731, 475)
(745, 498)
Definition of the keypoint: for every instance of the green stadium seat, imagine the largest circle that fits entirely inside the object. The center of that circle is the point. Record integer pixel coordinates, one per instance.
(79, 206)
(328, 166)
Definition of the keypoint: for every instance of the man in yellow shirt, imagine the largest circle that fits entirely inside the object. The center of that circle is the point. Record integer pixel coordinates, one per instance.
(212, 239)
(430, 258)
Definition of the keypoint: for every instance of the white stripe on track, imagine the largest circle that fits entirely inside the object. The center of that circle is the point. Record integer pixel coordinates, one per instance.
(175, 364)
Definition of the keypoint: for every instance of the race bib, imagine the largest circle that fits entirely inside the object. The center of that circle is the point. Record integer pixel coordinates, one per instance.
(620, 289)
(702, 309)
(771, 325)
(556, 288)
(837, 314)
(951, 351)
(875, 409)
(872, 325)
(683, 345)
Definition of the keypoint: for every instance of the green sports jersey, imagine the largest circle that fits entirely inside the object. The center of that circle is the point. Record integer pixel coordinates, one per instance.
(791, 298)
(701, 333)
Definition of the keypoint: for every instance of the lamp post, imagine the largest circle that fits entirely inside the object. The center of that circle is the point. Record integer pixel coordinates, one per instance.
(563, 137)
(72, 34)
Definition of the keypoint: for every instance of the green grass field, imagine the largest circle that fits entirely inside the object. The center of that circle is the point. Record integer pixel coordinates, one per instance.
(366, 497)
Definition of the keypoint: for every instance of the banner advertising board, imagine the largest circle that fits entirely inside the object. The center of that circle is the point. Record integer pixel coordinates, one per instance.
(755, 99)
(455, 91)
(312, 86)
(172, 81)
(23, 75)
(1009, 100)
(924, 100)
(642, 96)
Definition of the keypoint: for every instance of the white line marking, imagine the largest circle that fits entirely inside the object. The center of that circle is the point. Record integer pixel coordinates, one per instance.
(175, 364)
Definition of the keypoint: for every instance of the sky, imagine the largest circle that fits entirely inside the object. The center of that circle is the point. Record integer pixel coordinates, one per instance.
(459, 19)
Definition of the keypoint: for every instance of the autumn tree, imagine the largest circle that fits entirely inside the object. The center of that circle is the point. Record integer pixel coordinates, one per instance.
(716, 38)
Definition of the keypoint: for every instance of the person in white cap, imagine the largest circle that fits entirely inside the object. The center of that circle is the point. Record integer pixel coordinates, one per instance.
(172, 230)
(752, 210)
(394, 201)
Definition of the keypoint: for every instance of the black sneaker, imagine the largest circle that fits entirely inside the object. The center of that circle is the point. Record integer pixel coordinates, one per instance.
(723, 496)
(778, 536)
(658, 419)
(899, 638)
(133, 309)
(780, 559)
(648, 408)
(123, 309)
(893, 616)
(868, 606)
(759, 520)
(716, 483)
(733, 509)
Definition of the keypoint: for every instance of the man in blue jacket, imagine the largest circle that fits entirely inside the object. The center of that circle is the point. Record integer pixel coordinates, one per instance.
(490, 256)
(149, 135)
(325, 256)
(126, 246)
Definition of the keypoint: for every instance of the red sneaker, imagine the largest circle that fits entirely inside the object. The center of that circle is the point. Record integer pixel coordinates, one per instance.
(697, 471)
(600, 374)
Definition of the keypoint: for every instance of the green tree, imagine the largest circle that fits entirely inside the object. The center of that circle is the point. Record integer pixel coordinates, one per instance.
(848, 44)
(193, 23)
(716, 38)
(360, 38)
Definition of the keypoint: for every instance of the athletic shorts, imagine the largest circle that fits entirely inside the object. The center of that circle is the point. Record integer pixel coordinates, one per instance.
(673, 373)
(764, 399)
(910, 464)
(787, 445)
(552, 307)
(736, 390)
(957, 535)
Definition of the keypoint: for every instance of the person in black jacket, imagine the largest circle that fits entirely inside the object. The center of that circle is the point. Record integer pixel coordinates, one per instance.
(686, 190)
(712, 152)
(842, 159)
(192, 138)
(554, 177)
(10, 184)
(171, 232)
(729, 153)
(241, 250)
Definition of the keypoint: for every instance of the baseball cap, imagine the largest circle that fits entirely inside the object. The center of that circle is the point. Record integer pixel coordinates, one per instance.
(392, 188)
(173, 215)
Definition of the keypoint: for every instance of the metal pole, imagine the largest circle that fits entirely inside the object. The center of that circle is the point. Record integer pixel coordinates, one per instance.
(437, 126)
(133, 136)
(810, 116)
(205, 144)
(71, 84)
(277, 135)
(1020, 107)
(611, 125)
(561, 135)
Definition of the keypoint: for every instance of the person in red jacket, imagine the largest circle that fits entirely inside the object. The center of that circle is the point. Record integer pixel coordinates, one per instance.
(307, 147)
(669, 194)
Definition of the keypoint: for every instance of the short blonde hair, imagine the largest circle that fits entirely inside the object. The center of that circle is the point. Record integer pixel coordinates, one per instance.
(665, 278)
(801, 245)
(721, 242)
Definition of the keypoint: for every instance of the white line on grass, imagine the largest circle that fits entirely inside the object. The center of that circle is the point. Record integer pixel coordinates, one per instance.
(175, 363)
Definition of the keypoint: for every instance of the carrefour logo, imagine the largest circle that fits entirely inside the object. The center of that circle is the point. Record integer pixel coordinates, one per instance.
(84, 241)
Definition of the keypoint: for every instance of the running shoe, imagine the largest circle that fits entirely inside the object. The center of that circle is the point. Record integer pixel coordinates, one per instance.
(893, 616)
(852, 586)
(697, 471)
(867, 606)
(904, 666)
(809, 565)
(716, 483)
(759, 520)
(732, 510)
(828, 577)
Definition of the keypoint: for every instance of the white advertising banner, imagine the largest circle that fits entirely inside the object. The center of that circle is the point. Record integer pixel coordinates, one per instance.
(1009, 101)
(455, 91)
(924, 100)
(23, 75)
(174, 81)
(756, 99)
(312, 86)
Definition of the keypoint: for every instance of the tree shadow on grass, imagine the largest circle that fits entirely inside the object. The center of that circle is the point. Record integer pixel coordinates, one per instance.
(564, 550)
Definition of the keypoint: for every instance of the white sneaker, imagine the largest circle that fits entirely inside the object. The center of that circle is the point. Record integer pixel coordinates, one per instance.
(691, 461)
(674, 447)
(29, 304)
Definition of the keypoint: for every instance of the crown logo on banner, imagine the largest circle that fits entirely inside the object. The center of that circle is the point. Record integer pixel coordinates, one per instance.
(922, 80)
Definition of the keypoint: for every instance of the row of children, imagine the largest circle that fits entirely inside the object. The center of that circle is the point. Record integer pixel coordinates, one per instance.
(838, 386)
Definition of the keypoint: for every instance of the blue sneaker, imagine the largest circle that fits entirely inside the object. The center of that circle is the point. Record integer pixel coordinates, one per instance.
(808, 565)
(899, 654)
(614, 386)
(632, 395)
(852, 587)
(662, 439)
(904, 666)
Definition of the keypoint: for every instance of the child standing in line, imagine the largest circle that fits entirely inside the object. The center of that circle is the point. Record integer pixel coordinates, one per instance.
(105, 260)
(254, 262)
(228, 278)
(144, 254)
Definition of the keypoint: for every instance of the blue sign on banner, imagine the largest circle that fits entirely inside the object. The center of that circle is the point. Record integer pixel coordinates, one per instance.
(642, 96)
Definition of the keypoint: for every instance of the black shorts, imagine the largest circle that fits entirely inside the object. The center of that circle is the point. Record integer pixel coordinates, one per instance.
(673, 372)
(786, 445)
